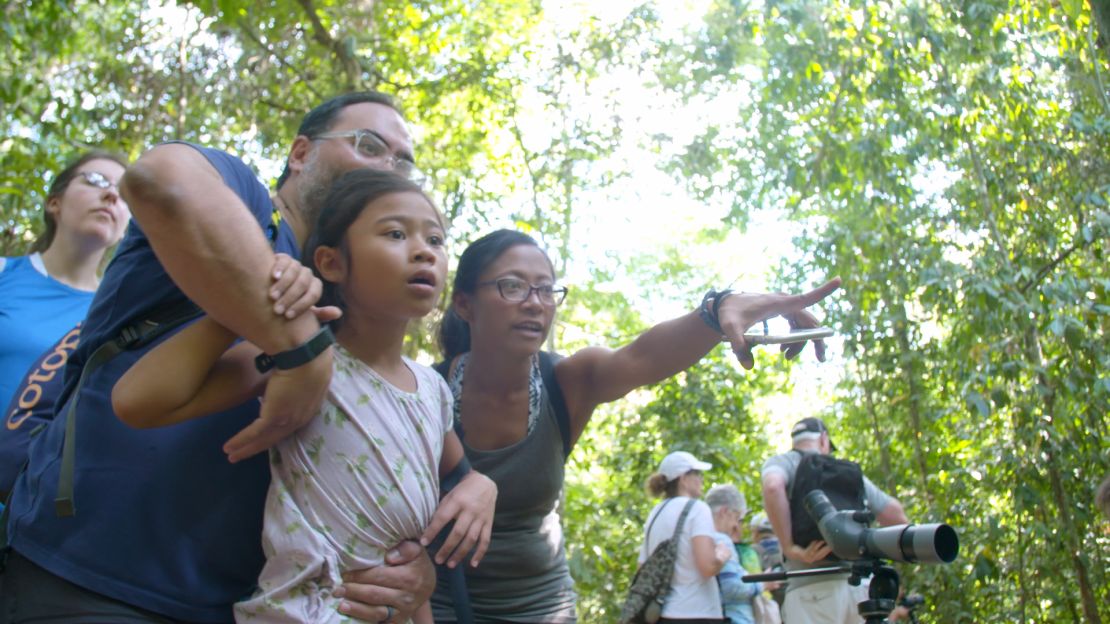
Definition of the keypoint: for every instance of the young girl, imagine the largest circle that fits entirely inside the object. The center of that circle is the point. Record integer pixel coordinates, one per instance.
(360, 477)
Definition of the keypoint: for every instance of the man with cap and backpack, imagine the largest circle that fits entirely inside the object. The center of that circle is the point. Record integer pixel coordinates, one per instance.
(787, 478)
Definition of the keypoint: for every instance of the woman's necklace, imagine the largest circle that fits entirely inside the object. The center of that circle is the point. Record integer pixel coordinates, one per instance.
(535, 387)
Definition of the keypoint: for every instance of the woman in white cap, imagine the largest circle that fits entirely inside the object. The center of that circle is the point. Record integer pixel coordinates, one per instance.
(694, 596)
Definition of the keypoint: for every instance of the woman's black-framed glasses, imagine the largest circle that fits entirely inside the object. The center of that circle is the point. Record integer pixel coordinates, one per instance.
(518, 290)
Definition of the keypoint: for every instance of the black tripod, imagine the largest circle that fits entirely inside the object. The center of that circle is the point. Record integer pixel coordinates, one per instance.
(882, 593)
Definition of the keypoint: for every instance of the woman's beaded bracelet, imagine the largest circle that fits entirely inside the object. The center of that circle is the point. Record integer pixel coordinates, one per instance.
(711, 307)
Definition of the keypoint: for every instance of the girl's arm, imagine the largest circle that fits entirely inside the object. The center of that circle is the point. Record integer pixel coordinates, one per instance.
(191, 374)
(194, 373)
(423, 614)
(597, 375)
(470, 504)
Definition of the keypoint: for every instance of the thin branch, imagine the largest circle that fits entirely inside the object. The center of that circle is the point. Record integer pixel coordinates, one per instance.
(1051, 266)
(281, 106)
(527, 160)
(320, 33)
(1095, 63)
(182, 72)
(245, 28)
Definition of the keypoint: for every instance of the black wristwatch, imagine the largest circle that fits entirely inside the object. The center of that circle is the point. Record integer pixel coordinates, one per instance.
(297, 356)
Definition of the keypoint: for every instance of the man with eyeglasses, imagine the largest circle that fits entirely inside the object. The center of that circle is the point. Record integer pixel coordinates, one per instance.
(166, 523)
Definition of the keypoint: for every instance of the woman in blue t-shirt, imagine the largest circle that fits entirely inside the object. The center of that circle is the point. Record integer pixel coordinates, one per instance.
(45, 294)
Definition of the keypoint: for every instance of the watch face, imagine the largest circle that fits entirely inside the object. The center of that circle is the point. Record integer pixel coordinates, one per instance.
(263, 362)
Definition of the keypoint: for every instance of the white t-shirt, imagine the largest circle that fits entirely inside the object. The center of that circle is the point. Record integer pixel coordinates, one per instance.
(692, 595)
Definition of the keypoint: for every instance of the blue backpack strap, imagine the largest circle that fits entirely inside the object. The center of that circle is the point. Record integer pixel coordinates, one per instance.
(558, 401)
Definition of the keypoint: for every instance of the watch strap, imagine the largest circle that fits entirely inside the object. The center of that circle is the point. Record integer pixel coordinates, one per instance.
(297, 356)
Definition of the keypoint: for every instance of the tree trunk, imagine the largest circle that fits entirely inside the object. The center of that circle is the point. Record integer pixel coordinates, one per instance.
(880, 438)
(1059, 494)
(1023, 590)
(1100, 11)
(901, 330)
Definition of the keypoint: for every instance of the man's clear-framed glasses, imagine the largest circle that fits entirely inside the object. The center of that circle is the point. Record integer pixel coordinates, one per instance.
(97, 179)
(369, 144)
(518, 290)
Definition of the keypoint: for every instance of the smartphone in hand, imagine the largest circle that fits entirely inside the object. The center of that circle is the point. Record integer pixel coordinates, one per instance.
(792, 336)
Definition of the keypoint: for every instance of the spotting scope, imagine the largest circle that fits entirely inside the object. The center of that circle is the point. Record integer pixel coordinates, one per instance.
(847, 533)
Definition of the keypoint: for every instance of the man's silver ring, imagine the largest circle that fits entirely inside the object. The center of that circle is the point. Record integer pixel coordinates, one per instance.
(388, 613)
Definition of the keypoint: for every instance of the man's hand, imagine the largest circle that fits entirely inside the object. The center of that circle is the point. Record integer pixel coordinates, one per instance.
(403, 584)
(740, 311)
(471, 505)
(291, 400)
(816, 551)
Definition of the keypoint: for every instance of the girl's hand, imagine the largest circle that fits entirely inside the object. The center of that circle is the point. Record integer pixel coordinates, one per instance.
(295, 289)
(470, 504)
(291, 400)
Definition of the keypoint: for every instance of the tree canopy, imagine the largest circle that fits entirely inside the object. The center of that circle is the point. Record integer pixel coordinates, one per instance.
(950, 160)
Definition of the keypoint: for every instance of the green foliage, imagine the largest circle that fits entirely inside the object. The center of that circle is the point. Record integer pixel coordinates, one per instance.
(950, 160)
(240, 75)
(707, 411)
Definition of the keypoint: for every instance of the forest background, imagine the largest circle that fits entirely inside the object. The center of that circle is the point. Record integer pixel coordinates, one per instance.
(950, 159)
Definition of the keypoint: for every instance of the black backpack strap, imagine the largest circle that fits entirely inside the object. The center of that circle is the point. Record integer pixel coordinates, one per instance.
(558, 401)
(790, 490)
(647, 534)
(460, 595)
(456, 581)
(456, 577)
(133, 336)
(682, 518)
(443, 368)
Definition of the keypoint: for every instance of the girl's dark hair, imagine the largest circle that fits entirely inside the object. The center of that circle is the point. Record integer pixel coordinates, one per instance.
(657, 485)
(454, 332)
(59, 186)
(348, 197)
